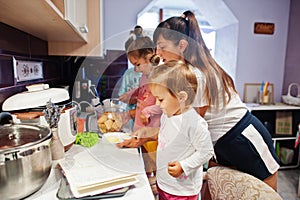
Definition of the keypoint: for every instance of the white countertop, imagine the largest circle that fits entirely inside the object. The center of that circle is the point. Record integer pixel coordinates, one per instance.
(140, 190)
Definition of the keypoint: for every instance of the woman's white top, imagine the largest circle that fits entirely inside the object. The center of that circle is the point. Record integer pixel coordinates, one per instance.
(222, 120)
(184, 138)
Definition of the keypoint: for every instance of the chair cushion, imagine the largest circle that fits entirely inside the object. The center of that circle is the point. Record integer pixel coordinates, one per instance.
(225, 183)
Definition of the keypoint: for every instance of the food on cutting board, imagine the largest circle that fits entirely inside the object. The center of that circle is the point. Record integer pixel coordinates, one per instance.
(110, 122)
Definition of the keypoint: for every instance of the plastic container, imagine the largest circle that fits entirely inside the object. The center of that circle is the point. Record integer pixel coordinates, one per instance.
(113, 116)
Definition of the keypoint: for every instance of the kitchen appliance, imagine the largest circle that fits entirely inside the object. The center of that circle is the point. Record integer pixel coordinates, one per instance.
(25, 159)
(27, 107)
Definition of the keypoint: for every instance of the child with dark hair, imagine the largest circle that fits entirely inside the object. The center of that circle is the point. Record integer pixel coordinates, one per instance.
(141, 53)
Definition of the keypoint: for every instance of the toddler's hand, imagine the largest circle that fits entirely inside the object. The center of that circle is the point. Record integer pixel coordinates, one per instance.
(124, 98)
(145, 120)
(175, 169)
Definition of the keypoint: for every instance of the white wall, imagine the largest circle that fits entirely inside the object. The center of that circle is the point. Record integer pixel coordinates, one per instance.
(259, 57)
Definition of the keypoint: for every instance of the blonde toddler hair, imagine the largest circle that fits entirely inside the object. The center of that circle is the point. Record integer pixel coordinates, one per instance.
(176, 76)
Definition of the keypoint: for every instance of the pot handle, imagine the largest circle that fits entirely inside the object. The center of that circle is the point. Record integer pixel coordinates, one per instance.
(5, 118)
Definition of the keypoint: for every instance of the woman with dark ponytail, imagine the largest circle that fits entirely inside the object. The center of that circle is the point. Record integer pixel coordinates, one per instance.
(240, 140)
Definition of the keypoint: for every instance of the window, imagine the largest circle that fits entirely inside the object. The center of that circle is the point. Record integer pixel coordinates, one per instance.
(150, 19)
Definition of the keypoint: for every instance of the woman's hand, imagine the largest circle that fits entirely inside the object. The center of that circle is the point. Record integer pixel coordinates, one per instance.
(132, 143)
(175, 169)
(150, 133)
(140, 137)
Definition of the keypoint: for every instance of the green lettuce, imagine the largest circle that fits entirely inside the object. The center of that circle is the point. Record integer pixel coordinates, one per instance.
(87, 139)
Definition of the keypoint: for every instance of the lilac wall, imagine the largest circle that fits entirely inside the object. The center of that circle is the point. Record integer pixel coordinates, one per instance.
(292, 62)
(259, 57)
(118, 20)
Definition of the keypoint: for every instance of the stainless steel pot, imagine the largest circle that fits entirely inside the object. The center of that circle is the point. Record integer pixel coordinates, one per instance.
(25, 159)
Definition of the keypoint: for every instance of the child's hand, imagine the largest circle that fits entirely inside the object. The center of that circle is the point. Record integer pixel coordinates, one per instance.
(145, 120)
(132, 113)
(127, 98)
(124, 98)
(175, 169)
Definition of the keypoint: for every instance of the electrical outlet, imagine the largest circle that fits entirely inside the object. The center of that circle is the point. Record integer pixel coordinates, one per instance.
(27, 70)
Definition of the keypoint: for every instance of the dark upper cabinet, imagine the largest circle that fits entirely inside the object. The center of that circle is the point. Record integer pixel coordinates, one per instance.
(14, 40)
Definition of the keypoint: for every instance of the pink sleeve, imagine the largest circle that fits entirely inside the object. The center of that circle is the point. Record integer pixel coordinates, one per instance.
(151, 110)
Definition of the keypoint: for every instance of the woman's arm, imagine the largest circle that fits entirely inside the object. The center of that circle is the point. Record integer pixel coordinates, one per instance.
(201, 110)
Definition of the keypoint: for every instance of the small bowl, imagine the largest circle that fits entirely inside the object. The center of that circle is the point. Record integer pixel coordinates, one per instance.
(116, 137)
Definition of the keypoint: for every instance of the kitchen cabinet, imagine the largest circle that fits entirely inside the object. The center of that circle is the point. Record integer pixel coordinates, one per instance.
(58, 22)
(267, 115)
(93, 46)
(76, 16)
(40, 18)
